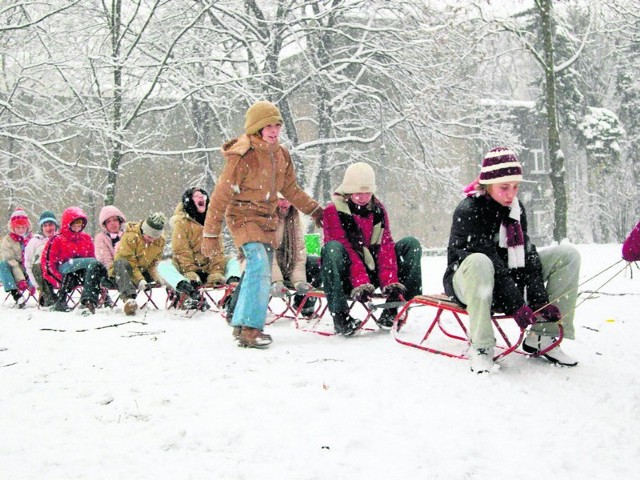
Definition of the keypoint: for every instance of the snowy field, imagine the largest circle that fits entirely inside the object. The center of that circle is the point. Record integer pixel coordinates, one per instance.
(175, 398)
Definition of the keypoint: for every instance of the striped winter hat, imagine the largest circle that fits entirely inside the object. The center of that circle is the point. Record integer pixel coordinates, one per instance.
(19, 218)
(154, 224)
(500, 165)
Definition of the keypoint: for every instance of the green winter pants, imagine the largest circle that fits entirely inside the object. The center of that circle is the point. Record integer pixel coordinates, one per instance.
(336, 267)
(473, 283)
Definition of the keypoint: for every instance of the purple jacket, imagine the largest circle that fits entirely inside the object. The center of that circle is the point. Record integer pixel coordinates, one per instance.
(631, 246)
(385, 258)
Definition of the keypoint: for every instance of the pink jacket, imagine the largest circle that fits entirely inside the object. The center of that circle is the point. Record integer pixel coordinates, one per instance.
(631, 246)
(386, 262)
(105, 250)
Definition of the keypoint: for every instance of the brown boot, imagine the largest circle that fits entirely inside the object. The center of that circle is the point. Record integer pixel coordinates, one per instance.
(253, 338)
(236, 332)
(130, 307)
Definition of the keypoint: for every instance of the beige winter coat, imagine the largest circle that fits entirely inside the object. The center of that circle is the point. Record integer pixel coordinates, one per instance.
(12, 254)
(140, 255)
(246, 192)
(186, 241)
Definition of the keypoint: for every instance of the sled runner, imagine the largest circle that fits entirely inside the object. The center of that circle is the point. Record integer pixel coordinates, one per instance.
(22, 300)
(450, 322)
(314, 323)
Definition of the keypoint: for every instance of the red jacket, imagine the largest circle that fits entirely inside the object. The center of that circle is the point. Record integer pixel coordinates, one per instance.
(65, 245)
(631, 246)
(385, 258)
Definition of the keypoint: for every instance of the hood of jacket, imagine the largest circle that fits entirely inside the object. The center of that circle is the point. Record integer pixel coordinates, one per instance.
(109, 211)
(70, 215)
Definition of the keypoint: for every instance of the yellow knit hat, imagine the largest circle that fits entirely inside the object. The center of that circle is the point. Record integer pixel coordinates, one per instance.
(261, 114)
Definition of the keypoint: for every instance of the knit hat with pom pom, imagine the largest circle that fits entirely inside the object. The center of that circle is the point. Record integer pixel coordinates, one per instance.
(154, 224)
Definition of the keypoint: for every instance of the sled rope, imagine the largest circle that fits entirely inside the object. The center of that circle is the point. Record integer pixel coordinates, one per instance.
(591, 292)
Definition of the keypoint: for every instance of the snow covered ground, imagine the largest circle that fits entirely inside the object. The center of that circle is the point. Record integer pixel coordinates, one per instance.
(175, 398)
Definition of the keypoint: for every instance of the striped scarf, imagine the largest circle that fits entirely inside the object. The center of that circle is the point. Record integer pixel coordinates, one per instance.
(354, 234)
(511, 236)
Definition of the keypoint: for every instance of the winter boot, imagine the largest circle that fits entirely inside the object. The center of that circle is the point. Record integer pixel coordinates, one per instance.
(345, 324)
(481, 359)
(60, 305)
(253, 338)
(191, 296)
(387, 317)
(87, 307)
(130, 306)
(535, 343)
(236, 332)
(48, 296)
(309, 306)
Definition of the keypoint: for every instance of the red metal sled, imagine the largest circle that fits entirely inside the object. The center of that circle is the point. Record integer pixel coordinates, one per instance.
(458, 329)
(311, 323)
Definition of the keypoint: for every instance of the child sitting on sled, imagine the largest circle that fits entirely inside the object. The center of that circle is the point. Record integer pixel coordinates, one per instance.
(359, 252)
(12, 270)
(69, 259)
(492, 264)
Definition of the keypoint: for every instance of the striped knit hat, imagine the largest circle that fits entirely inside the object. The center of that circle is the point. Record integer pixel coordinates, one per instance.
(154, 224)
(19, 218)
(500, 165)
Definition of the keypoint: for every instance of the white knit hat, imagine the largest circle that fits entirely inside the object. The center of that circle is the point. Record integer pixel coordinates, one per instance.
(358, 178)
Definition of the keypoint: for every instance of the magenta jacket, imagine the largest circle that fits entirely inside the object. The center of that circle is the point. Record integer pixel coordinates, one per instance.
(65, 246)
(386, 262)
(631, 246)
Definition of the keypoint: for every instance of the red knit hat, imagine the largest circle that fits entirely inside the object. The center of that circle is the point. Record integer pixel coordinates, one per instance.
(500, 165)
(19, 218)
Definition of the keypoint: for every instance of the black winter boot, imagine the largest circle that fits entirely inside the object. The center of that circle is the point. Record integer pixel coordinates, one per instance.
(345, 324)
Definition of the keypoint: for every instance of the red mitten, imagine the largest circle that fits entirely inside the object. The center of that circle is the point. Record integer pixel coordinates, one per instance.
(22, 285)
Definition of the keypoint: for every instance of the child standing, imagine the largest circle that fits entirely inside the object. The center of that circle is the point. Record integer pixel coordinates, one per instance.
(493, 266)
(256, 168)
(69, 259)
(33, 253)
(360, 254)
(12, 271)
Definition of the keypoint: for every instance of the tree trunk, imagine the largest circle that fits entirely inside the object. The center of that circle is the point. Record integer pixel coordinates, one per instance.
(116, 143)
(556, 156)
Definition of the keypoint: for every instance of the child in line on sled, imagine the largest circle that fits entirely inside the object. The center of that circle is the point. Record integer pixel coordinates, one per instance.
(12, 270)
(256, 168)
(33, 253)
(69, 259)
(189, 268)
(493, 266)
(112, 222)
(631, 246)
(359, 252)
(186, 241)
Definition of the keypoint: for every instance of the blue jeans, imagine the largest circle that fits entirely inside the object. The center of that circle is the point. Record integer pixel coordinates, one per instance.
(253, 300)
